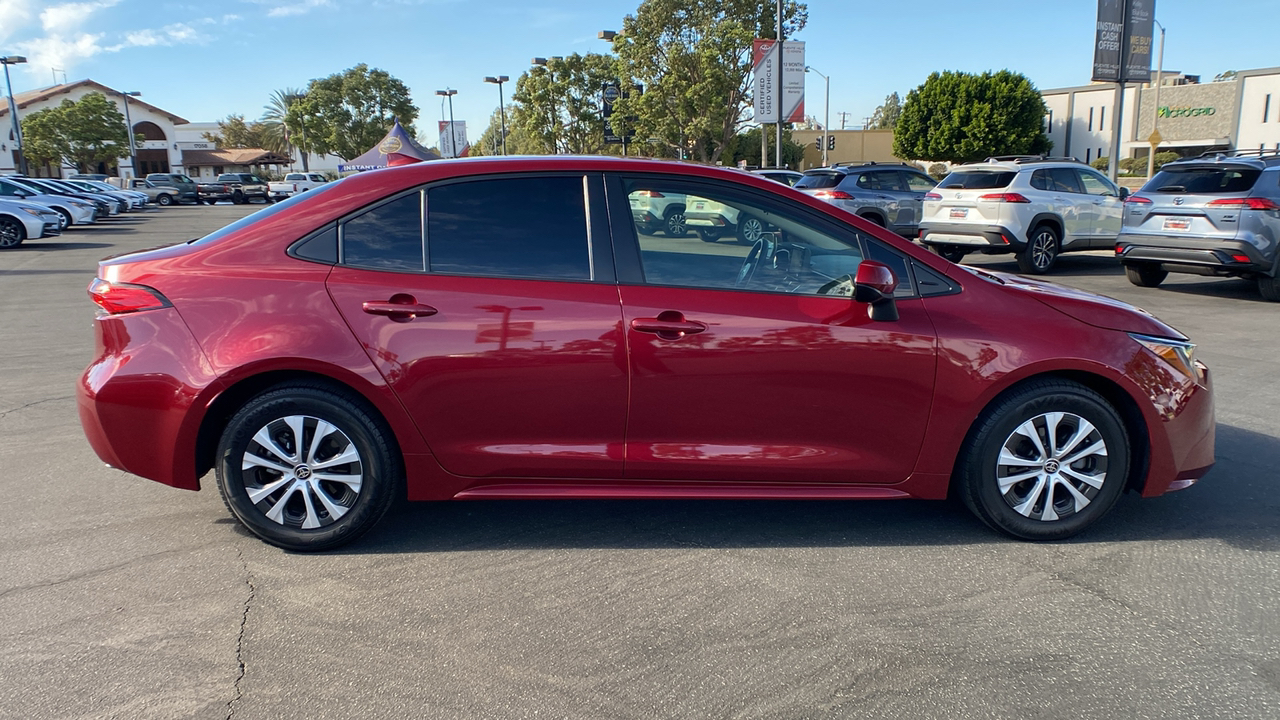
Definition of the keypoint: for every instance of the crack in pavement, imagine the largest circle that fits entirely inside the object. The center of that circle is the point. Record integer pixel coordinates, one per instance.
(33, 404)
(96, 571)
(244, 622)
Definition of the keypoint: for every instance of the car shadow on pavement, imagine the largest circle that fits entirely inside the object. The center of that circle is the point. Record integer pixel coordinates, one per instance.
(42, 246)
(1235, 504)
(1225, 288)
(1067, 265)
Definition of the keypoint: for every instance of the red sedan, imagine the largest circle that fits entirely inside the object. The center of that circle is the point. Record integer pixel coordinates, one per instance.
(503, 328)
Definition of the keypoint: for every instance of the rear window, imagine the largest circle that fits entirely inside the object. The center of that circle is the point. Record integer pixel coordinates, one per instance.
(817, 181)
(977, 180)
(1203, 181)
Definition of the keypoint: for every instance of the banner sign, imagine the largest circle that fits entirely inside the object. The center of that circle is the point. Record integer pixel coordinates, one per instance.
(1120, 22)
(764, 60)
(610, 94)
(454, 144)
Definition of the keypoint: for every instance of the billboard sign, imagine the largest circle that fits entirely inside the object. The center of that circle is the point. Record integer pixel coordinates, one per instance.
(764, 60)
(1123, 25)
(453, 144)
(610, 94)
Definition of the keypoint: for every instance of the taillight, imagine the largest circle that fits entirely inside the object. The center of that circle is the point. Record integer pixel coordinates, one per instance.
(1250, 203)
(649, 193)
(1138, 199)
(932, 196)
(832, 194)
(121, 298)
(1005, 197)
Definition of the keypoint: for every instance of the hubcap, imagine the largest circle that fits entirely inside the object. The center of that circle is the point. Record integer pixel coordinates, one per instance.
(1052, 466)
(302, 472)
(1043, 250)
(752, 229)
(675, 224)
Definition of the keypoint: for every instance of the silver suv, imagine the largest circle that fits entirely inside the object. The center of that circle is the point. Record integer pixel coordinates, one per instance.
(1034, 207)
(1217, 214)
(889, 195)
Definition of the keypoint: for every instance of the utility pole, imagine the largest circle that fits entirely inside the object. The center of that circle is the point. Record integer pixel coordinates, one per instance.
(843, 116)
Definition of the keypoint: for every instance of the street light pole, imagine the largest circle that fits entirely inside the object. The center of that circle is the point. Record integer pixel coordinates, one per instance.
(1155, 115)
(13, 109)
(133, 162)
(826, 114)
(502, 108)
(552, 95)
(453, 138)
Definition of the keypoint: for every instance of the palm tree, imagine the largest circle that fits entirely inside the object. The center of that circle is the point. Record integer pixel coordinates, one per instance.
(278, 137)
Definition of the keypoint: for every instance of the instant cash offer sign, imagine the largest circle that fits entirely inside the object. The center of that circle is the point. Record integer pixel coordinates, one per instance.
(764, 59)
(1121, 23)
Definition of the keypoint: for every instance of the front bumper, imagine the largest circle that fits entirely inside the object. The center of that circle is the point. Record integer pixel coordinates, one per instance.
(987, 238)
(52, 226)
(1196, 256)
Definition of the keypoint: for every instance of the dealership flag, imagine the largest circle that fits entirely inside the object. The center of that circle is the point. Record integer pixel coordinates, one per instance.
(764, 59)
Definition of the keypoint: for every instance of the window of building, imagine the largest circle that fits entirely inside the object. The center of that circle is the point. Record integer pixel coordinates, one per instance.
(1087, 156)
(1090, 119)
(1102, 118)
(1266, 107)
(510, 227)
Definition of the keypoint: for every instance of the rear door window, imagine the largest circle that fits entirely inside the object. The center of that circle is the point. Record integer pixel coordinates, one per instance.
(1065, 180)
(884, 180)
(510, 227)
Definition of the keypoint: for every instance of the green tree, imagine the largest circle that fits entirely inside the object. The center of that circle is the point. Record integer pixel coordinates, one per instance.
(519, 142)
(347, 113)
(1102, 162)
(1167, 156)
(561, 103)
(694, 59)
(746, 146)
(961, 117)
(886, 116)
(275, 134)
(235, 132)
(82, 134)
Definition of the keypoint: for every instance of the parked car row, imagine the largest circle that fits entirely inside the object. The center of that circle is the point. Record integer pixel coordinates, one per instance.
(32, 208)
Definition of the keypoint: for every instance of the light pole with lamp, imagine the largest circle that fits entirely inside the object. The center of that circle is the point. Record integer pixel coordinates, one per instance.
(502, 108)
(1155, 116)
(453, 139)
(826, 117)
(133, 162)
(546, 63)
(13, 109)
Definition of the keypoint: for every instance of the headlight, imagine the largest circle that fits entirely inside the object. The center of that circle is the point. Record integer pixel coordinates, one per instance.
(30, 211)
(77, 203)
(1178, 353)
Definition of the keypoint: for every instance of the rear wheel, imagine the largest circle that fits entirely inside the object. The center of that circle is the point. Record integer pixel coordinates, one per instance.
(1145, 275)
(873, 219)
(1045, 462)
(950, 252)
(305, 468)
(237, 198)
(709, 234)
(12, 233)
(1269, 287)
(1038, 257)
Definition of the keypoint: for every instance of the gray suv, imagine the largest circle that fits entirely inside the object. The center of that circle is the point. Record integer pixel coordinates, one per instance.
(889, 195)
(1217, 214)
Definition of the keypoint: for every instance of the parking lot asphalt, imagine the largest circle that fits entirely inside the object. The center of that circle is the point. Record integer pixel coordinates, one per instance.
(123, 598)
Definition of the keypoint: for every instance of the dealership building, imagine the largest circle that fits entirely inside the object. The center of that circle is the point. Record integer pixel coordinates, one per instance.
(1192, 117)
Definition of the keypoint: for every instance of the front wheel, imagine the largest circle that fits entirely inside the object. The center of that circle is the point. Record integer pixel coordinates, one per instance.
(305, 468)
(1145, 275)
(750, 230)
(64, 219)
(164, 199)
(1041, 251)
(1045, 462)
(12, 233)
(1269, 287)
(710, 234)
(673, 224)
(237, 198)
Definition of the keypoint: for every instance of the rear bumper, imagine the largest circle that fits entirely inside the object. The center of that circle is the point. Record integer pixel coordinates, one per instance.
(988, 238)
(1199, 256)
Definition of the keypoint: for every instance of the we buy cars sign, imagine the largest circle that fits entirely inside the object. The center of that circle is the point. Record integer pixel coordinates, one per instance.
(764, 60)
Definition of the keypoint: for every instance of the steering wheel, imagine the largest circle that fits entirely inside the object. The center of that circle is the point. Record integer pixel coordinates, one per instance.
(840, 287)
(761, 251)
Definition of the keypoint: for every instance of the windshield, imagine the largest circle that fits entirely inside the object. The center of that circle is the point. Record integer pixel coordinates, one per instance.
(977, 180)
(1203, 181)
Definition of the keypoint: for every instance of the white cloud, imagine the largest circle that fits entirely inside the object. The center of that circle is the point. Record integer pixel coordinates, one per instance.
(62, 52)
(175, 34)
(14, 15)
(65, 18)
(298, 8)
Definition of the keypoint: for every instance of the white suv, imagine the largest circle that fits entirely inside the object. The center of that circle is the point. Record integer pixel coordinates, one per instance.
(1034, 207)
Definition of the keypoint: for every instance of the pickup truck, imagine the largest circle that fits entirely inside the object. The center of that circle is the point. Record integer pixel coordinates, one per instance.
(158, 194)
(184, 187)
(212, 192)
(243, 187)
(296, 183)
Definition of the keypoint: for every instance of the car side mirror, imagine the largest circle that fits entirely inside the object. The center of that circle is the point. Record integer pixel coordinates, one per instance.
(1124, 192)
(874, 284)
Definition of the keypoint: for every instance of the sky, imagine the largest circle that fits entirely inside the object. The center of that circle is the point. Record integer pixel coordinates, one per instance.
(204, 60)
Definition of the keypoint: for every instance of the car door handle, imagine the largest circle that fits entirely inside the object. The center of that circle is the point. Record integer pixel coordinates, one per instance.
(668, 325)
(401, 308)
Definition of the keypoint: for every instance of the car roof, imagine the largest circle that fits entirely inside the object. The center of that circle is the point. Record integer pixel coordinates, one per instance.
(852, 167)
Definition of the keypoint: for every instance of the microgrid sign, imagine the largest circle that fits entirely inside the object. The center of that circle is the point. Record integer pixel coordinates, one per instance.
(1121, 22)
(764, 59)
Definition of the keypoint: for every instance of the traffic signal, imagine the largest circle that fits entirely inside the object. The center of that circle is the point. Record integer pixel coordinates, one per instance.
(818, 143)
(831, 142)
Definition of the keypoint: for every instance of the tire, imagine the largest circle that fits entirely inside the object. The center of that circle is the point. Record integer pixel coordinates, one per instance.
(873, 219)
(1041, 252)
(750, 229)
(1269, 287)
(998, 448)
(66, 221)
(164, 199)
(294, 509)
(673, 222)
(237, 198)
(949, 252)
(710, 235)
(1146, 274)
(12, 233)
